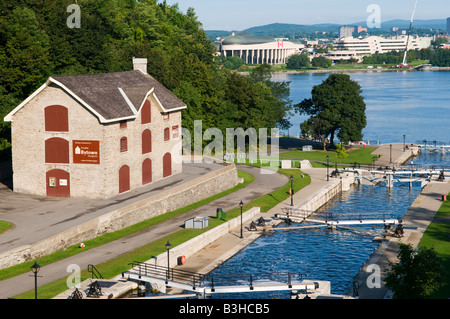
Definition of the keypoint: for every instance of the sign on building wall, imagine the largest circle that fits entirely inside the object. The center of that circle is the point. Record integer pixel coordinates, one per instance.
(86, 152)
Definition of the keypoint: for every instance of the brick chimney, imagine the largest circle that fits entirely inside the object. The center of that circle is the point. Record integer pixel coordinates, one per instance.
(140, 64)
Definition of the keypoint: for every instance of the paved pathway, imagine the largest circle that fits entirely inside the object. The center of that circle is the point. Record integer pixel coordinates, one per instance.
(263, 184)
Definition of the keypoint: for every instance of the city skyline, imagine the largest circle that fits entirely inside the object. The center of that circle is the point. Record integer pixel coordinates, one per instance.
(234, 15)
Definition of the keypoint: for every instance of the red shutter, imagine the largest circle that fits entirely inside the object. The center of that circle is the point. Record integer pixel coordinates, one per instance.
(146, 171)
(146, 142)
(56, 118)
(57, 150)
(167, 165)
(146, 113)
(124, 179)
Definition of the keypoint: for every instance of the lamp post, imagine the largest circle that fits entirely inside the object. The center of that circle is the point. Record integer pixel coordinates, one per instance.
(168, 245)
(241, 205)
(35, 269)
(292, 190)
(328, 175)
(404, 142)
(390, 154)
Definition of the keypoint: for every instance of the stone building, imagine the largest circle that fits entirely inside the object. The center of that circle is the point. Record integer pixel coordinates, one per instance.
(96, 136)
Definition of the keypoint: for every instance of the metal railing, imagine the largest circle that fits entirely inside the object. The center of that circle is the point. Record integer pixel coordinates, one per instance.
(94, 271)
(213, 280)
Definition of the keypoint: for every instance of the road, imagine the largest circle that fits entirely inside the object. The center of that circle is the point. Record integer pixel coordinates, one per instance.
(263, 184)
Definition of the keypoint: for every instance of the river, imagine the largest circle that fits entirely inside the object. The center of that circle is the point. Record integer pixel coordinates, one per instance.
(414, 104)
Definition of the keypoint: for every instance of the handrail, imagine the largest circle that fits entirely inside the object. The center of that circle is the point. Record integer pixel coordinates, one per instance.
(211, 280)
(94, 271)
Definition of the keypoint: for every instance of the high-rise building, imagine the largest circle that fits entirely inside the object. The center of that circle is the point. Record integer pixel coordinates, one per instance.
(346, 32)
(448, 26)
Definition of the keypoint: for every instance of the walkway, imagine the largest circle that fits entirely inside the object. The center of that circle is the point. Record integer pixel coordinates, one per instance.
(263, 184)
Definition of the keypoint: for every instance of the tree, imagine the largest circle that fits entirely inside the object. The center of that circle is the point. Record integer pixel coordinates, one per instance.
(297, 61)
(417, 274)
(321, 62)
(338, 103)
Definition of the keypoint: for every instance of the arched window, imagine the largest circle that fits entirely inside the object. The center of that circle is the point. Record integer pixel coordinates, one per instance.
(146, 171)
(146, 141)
(124, 178)
(56, 118)
(167, 165)
(57, 150)
(146, 113)
(123, 144)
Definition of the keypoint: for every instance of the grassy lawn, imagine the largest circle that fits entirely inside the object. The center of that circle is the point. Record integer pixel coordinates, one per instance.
(113, 267)
(359, 155)
(4, 226)
(437, 236)
(109, 237)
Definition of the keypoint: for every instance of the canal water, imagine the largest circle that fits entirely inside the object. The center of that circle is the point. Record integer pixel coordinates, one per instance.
(322, 254)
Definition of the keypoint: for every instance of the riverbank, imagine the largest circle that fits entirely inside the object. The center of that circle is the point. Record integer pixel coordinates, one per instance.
(353, 70)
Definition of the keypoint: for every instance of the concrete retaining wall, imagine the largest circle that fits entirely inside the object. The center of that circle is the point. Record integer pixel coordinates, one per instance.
(196, 244)
(177, 197)
(322, 196)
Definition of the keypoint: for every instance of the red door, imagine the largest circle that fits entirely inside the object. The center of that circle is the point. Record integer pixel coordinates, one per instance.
(124, 179)
(58, 183)
(167, 165)
(146, 171)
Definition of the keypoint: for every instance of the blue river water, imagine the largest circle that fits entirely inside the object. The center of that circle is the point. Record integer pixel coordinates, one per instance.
(415, 104)
(322, 254)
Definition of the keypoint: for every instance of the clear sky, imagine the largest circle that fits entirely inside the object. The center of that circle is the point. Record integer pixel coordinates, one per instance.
(241, 14)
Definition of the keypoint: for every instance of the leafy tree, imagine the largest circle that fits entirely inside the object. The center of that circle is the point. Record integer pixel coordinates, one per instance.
(35, 43)
(338, 106)
(298, 61)
(321, 62)
(441, 58)
(417, 274)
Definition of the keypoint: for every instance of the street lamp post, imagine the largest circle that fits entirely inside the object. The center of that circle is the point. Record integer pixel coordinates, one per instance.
(35, 269)
(241, 205)
(168, 245)
(292, 190)
(328, 175)
(404, 142)
(390, 154)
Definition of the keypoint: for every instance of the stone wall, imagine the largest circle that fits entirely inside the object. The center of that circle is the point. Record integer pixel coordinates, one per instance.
(88, 180)
(177, 197)
(196, 244)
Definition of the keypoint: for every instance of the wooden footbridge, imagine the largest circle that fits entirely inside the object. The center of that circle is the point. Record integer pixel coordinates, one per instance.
(205, 285)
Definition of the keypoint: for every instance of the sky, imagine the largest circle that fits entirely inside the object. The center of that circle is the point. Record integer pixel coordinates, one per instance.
(237, 15)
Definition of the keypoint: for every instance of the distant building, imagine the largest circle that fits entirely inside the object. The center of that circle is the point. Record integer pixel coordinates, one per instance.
(258, 49)
(373, 44)
(361, 29)
(337, 56)
(346, 32)
(96, 135)
(448, 26)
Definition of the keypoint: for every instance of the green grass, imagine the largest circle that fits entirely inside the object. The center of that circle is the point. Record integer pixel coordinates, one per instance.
(4, 226)
(109, 237)
(359, 155)
(437, 236)
(117, 265)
